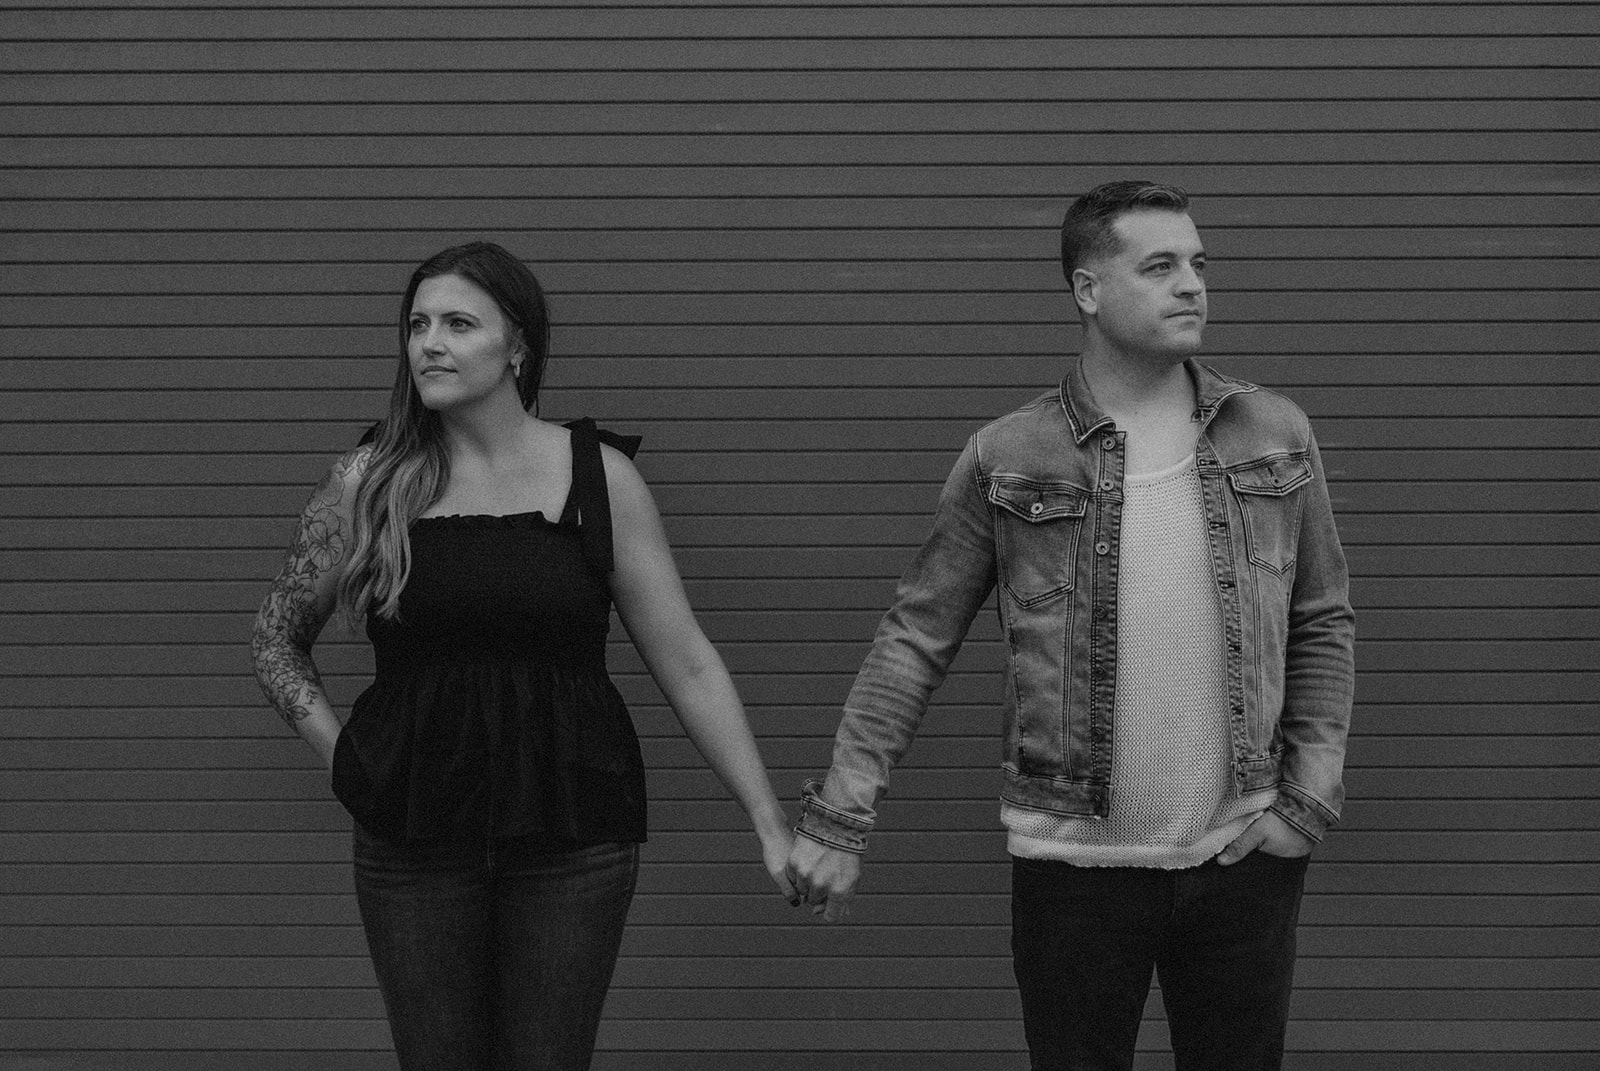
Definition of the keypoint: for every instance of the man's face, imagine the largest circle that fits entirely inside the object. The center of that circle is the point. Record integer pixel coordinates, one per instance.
(1149, 298)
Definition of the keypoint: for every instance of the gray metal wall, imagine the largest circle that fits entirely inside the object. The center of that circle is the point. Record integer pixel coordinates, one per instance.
(805, 251)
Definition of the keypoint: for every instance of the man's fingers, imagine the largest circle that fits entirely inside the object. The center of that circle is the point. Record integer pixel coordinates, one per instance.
(1242, 845)
(823, 878)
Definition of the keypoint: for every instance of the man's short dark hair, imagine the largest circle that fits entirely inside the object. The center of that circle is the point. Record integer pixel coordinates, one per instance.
(1088, 231)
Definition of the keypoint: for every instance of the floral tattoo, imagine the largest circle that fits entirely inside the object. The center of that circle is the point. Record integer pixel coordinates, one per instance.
(290, 619)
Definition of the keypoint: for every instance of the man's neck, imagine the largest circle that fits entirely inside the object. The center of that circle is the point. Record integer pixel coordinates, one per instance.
(1128, 384)
(1152, 402)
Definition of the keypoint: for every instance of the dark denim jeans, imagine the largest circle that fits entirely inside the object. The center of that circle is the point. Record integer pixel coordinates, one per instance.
(1084, 941)
(491, 955)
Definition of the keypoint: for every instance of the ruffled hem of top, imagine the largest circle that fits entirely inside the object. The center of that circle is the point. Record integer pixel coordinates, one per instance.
(518, 759)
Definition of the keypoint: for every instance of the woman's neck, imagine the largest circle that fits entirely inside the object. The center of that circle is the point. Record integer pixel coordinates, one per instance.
(487, 432)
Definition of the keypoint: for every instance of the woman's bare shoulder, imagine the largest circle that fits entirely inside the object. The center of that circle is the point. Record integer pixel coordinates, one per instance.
(338, 487)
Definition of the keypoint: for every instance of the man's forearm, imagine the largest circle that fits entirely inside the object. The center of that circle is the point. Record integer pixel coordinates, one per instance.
(950, 578)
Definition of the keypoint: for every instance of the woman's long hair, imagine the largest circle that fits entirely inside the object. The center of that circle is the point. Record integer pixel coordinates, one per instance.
(408, 466)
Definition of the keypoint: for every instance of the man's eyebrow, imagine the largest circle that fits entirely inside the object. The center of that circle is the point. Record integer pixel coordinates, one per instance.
(1170, 254)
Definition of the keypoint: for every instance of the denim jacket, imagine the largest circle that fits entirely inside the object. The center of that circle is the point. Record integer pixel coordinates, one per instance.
(1034, 505)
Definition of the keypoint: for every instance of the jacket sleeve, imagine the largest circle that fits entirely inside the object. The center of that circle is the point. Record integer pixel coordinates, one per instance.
(1319, 671)
(950, 578)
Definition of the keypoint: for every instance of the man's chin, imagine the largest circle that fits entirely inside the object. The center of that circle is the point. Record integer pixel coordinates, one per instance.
(1187, 344)
(1180, 350)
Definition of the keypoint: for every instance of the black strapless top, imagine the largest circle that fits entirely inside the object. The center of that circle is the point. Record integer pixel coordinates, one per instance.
(491, 711)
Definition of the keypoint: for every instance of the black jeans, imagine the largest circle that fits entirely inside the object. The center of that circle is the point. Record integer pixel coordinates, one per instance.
(493, 956)
(1084, 941)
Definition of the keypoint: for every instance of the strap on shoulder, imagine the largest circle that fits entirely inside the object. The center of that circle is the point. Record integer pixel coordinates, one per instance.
(589, 502)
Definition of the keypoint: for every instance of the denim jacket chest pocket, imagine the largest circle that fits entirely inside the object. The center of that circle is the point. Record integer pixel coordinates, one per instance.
(1036, 536)
(1266, 492)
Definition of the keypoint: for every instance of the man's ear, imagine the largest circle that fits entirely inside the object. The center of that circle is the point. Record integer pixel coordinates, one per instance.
(1086, 291)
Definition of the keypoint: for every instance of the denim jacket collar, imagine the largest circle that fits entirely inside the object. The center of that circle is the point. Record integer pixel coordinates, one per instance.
(1211, 389)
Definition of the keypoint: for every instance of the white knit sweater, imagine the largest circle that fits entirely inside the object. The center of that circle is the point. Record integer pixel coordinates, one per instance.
(1173, 800)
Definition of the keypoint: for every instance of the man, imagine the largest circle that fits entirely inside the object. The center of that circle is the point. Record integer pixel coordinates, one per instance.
(1175, 608)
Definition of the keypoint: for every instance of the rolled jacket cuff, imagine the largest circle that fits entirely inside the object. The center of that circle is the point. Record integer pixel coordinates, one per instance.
(1303, 811)
(829, 825)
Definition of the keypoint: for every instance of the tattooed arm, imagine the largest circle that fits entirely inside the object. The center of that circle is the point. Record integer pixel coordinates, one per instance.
(300, 603)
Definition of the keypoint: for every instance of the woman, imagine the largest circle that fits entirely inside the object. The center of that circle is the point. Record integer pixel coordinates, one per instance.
(491, 767)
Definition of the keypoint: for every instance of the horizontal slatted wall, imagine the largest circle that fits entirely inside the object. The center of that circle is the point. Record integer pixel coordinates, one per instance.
(805, 251)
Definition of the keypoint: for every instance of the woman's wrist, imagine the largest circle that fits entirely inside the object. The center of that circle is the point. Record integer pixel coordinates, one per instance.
(769, 819)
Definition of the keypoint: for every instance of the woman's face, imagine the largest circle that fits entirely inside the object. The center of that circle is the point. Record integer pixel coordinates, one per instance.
(460, 348)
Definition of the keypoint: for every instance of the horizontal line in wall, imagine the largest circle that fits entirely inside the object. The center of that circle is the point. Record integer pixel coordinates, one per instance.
(15, 321)
(732, 421)
(608, 198)
(747, 102)
(868, 955)
(741, 450)
(1375, 739)
(844, 327)
(984, 770)
(1319, 226)
(290, 864)
(633, 136)
(314, 457)
(781, 135)
(606, 6)
(777, 39)
(821, 478)
(272, 729)
(23, 296)
(287, 519)
(997, 832)
(615, 644)
(1435, 894)
(736, 419)
(543, 262)
(843, 165)
(775, 70)
(888, 578)
(714, 5)
(908, 549)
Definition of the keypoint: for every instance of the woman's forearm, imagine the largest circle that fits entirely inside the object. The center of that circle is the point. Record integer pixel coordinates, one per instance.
(707, 705)
(290, 681)
(299, 603)
(288, 623)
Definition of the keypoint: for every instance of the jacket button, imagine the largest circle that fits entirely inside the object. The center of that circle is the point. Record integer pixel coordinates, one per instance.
(1106, 485)
(1036, 509)
(1108, 443)
(1102, 548)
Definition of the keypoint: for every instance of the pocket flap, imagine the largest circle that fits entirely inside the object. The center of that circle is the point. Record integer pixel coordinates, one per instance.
(1278, 476)
(1033, 502)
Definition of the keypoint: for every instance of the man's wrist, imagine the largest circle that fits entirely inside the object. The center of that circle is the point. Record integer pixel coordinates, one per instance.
(828, 825)
(1298, 818)
(828, 841)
